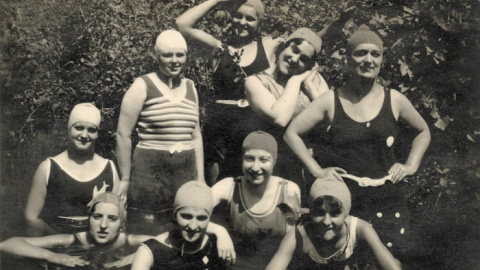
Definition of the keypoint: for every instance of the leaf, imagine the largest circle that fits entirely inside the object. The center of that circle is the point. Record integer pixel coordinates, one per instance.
(285, 9)
(403, 88)
(443, 182)
(442, 122)
(470, 138)
(409, 10)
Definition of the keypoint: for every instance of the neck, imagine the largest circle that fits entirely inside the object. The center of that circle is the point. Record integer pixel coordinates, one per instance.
(172, 82)
(80, 156)
(238, 42)
(359, 87)
(279, 77)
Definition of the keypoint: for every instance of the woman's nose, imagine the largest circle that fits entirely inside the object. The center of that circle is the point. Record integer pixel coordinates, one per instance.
(84, 133)
(327, 220)
(256, 165)
(243, 21)
(368, 58)
(104, 223)
(193, 225)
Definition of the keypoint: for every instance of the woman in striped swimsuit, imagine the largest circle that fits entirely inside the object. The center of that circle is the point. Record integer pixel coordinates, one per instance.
(164, 108)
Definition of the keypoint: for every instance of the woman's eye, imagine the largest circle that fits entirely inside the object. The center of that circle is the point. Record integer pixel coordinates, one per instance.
(167, 55)
(359, 53)
(237, 16)
(97, 216)
(79, 128)
(113, 218)
(180, 55)
(92, 130)
(202, 218)
(251, 19)
(376, 54)
(265, 160)
(186, 216)
(295, 49)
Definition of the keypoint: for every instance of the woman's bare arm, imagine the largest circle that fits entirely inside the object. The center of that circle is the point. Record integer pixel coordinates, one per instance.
(132, 105)
(186, 22)
(36, 202)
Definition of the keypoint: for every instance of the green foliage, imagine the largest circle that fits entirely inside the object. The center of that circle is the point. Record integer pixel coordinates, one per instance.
(59, 53)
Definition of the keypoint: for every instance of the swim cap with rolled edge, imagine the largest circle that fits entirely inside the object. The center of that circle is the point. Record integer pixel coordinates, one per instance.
(170, 39)
(261, 140)
(84, 112)
(331, 187)
(196, 194)
(308, 35)
(364, 36)
(108, 197)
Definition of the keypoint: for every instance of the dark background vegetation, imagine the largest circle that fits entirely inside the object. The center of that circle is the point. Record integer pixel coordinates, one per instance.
(58, 53)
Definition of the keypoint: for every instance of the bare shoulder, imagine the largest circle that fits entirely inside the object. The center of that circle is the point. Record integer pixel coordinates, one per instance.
(222, 189)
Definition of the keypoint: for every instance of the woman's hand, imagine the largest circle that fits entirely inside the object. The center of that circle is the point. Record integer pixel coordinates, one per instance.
(122, 190)
(330, 171)
(399, 171)
(67, 260)
(226, 250)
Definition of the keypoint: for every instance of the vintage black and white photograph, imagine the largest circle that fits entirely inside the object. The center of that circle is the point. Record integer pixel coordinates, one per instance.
(240, 134)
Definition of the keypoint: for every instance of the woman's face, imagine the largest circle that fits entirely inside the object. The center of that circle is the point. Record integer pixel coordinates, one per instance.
(366, 60)
(83, 135)
(245, 21)
(171, 61)
(257, 166)
(295, 58)
(192, 222)
(326, 223)
(104, 223)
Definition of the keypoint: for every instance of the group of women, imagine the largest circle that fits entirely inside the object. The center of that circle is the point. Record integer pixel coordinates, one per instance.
(268, 93)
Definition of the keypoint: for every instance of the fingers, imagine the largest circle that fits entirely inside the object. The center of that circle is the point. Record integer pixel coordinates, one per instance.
(228, 255)
(399, 171)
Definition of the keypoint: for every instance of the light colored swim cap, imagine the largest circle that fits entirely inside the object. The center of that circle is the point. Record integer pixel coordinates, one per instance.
(308, 35)
(261, 140)
(84, 112)
(331, 187)
(196, 194)
(170, 39)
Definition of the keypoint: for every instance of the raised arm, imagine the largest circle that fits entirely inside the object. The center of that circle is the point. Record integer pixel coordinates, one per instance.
(366, 232)
(284, 254)
(132, 105)
(263, 102)
(407, 112)
(319, 110)
(36, 201)
(186, 22)
(35, 247)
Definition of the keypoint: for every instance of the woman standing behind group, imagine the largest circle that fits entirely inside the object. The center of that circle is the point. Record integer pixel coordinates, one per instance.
(242, 54)
(164, 107)
(362, 117)
(64, 185)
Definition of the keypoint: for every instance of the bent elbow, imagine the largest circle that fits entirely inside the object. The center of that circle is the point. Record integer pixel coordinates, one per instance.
(281, 122)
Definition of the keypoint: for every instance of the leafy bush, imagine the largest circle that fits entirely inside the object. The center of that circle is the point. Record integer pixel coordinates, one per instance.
(59, 53)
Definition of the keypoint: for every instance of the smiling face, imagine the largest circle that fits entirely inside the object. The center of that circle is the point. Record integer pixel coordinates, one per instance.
(171, 61)
(245, 22)
(192, 222)
(257, 166)
(104, 223)
(366, 60)
(295, 58)
(328, 218)
(83, 135)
